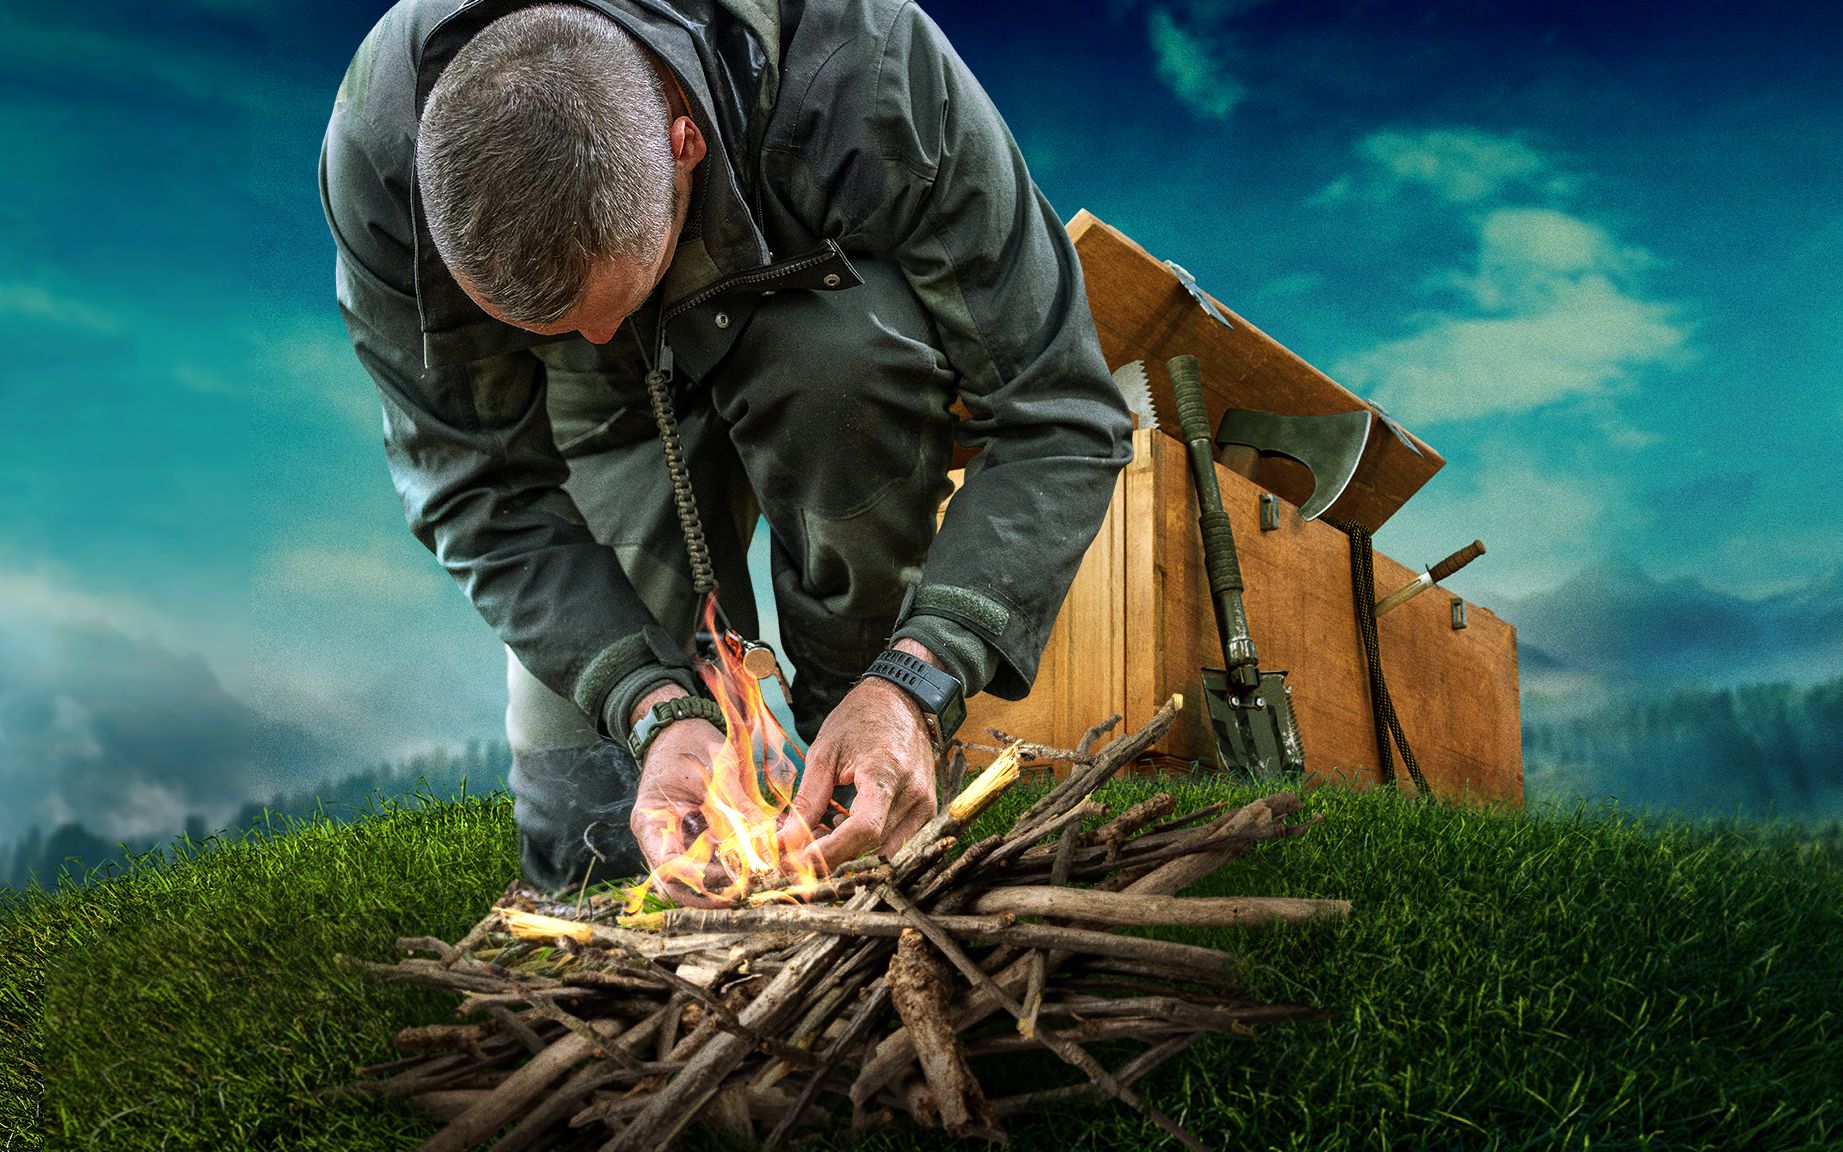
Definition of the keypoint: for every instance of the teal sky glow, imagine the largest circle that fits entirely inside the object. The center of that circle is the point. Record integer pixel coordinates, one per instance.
(1589, 252)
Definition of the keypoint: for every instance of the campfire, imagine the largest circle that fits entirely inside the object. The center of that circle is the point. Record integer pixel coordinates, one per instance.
(746, 834)
(875, 994)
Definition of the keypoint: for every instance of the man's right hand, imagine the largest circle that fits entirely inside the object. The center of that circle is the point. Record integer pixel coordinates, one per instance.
(674, 780)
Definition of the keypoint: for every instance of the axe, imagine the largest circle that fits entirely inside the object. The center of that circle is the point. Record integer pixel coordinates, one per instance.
(1329, 446)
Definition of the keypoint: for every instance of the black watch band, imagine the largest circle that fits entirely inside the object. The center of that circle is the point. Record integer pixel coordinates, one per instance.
(938, 693)
(668, 711)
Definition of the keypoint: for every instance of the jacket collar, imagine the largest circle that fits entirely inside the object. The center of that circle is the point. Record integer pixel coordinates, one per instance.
(728, 64)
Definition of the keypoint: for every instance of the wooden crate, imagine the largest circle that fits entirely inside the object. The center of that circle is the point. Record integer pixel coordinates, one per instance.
(1138, 625)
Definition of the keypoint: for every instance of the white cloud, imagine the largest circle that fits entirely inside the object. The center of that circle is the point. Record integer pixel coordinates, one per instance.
(1192, 67)
(45, 596)
(310, 357)
(30, 301)
(1552, 310)
(1460, 165)
(1540, 519)
(341, 573)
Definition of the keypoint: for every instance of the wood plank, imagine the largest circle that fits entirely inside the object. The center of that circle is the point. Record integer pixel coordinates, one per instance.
(1142, 311)
(1145, 629)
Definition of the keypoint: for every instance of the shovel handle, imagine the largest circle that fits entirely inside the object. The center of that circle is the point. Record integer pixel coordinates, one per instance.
(1219, 559)
(1187, 388)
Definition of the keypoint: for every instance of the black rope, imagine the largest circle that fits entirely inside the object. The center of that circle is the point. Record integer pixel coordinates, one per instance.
(1363, 592)
(684, 500)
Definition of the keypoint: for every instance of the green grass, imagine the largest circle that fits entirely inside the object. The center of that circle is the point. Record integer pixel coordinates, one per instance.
(1583, 980)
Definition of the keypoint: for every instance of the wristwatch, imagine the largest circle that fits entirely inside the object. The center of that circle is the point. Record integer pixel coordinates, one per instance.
(939, 694)
(665, 712)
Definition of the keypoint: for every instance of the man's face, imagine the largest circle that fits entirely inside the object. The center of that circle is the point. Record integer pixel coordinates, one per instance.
(616, 289)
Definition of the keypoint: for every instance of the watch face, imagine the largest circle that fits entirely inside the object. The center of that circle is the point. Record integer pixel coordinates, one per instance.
(952, 716)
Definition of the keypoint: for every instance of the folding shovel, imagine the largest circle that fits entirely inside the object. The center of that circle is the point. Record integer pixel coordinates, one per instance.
(1250, 711)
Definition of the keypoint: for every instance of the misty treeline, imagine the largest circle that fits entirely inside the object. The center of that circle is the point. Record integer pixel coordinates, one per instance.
(1759, 751)
(1756, 751)
(439, 775)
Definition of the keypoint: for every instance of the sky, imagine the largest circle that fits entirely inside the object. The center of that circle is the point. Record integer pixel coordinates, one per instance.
(1589, 252)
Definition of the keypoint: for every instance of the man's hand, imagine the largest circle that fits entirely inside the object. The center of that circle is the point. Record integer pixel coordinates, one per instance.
(877, 739)
(673, 783)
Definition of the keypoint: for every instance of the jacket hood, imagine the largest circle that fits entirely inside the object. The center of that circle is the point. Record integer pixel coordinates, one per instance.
(726, 56)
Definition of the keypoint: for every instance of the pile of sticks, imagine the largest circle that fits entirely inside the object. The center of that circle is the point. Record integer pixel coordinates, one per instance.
(879, 990)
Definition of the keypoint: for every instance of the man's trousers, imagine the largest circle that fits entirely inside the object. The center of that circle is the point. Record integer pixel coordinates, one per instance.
(830, 417)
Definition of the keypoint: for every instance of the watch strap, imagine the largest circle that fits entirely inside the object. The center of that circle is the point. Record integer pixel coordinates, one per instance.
(667, 712)
(939, 693)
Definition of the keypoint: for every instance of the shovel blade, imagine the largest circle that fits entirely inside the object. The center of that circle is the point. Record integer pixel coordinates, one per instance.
(1257, 734)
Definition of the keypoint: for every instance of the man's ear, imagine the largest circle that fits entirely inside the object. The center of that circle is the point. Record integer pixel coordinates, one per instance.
(688, 145)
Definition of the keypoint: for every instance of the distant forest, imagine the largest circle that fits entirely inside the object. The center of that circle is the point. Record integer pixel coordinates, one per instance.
(1769, 751)
(481, 767)
(1762, 751)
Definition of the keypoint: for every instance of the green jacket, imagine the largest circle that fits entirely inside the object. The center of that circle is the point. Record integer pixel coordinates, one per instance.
(837, 127)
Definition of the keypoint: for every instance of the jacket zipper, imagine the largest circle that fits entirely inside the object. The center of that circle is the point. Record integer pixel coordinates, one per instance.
(743, 279)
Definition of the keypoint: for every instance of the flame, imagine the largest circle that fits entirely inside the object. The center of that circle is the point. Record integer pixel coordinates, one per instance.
(746, 821)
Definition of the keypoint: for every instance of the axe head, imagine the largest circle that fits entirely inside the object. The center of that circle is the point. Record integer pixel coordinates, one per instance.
(1329, 446)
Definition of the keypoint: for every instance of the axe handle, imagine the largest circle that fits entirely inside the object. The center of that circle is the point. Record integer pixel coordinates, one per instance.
(1240, 459)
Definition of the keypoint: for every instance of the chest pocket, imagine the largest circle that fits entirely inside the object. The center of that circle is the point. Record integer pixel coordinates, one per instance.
(595, 394)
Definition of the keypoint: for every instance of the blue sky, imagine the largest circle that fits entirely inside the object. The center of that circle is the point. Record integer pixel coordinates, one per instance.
(1589, 252)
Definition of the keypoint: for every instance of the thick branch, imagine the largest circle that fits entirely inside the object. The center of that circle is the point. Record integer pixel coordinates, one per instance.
(918, 985)
(1119, 908)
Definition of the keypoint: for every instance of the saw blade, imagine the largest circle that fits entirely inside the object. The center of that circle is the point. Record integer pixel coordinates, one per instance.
(1136, 389)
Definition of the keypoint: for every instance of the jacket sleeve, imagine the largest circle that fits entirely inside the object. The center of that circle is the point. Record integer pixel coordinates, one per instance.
(473, 460)
(938, 180)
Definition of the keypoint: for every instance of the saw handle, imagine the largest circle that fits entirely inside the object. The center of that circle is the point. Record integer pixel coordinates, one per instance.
(1456, 561)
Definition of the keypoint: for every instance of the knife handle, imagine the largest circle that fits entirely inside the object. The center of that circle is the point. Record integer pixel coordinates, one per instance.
(1456, 561)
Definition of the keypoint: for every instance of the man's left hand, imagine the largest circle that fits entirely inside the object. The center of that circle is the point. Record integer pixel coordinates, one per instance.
(878, 740)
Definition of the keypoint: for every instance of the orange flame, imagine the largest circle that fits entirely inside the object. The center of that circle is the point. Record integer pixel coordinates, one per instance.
(738, 836)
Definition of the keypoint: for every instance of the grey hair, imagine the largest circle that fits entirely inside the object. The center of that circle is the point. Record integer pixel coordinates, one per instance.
(543, 151)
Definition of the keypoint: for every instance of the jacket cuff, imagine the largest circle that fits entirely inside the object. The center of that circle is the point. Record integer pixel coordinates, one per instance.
(962, 652)
(630, 691)
(626, 670)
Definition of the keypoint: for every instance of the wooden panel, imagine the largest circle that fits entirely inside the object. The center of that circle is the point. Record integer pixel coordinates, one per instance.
(1455, 691)
(1143, 312)
(1139, 625)
(1146, 691)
